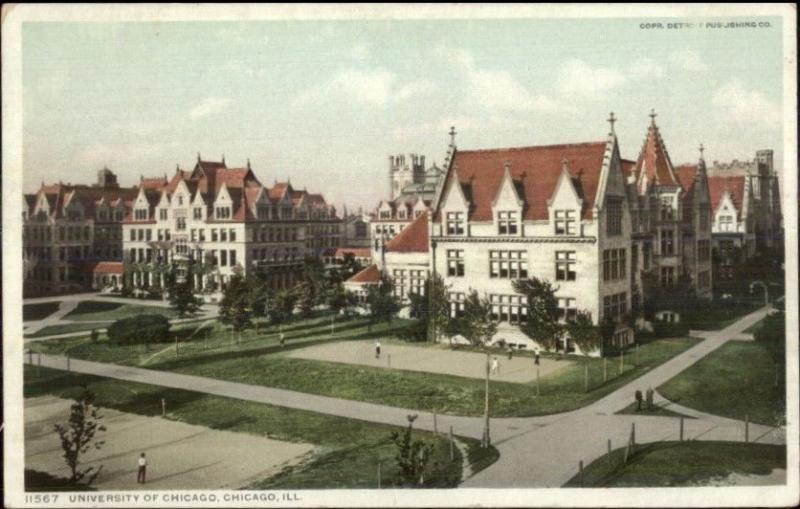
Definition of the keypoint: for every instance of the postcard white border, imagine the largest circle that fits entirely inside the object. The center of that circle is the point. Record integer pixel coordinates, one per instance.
(15, 15)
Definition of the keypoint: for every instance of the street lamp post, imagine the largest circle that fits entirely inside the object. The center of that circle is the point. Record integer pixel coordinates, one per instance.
(486, 441)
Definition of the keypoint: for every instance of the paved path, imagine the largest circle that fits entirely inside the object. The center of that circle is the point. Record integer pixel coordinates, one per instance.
(68, 303)
(534, 451)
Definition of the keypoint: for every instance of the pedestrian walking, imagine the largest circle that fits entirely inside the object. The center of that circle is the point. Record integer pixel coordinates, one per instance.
(649, 398)
(283, 339)
(140, 477)
(536, 356)
(638, 396)
(378, 350)
(495, 366)
(510, 352)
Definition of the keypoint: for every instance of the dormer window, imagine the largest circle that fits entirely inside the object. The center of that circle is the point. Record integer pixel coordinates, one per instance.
(507, 223)
(455, 223)
(263, 212)
(223, 212)
(180, 200)
(162, 214)
(140, 214)
(726, 224)
(198, 213)
(565, 222)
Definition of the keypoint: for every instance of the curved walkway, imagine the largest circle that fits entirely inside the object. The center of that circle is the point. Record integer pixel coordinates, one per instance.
(534, 451)
(68, 303)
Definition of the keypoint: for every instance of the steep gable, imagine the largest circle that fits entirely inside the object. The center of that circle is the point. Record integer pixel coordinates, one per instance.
(535, 172)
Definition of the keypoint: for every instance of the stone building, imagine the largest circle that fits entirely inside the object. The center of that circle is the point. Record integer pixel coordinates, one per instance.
(68, 230)
(557, 212)
(670, 222)
(215, 221)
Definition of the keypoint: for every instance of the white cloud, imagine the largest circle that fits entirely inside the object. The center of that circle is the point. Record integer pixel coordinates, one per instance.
(374, 87)
(494, 89)
(577, 78)
(687, 60)
(209, 106)
(646, 68)
(740, 106)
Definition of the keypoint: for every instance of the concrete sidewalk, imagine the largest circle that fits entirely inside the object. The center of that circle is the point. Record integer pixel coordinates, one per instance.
(535, 451)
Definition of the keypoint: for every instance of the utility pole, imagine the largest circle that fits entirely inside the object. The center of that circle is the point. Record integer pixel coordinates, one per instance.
(486, 441)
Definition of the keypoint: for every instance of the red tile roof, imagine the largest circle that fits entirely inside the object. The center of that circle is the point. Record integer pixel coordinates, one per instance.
(370, 275)
(535, 172)
(108, 268)
(734, 186)
(412, 239)
(357, 252)
(654, 160)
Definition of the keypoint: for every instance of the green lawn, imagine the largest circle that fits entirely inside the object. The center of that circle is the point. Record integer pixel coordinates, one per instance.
(348, 450)
(31, 312)
(716, 316)
(92, 310)
(681, 464)
(42, 481)
(67, 327)
(754, 328)
(737, 380)
(258, 359)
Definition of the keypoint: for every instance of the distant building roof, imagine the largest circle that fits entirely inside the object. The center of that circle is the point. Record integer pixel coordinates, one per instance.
(412, 239)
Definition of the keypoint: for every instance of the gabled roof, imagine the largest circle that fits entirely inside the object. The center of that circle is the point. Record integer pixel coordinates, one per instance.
(734, 186)
(370, 275)
(414, 238)
(535, 172)
(357, 252)
(108, 268)
(654, 160)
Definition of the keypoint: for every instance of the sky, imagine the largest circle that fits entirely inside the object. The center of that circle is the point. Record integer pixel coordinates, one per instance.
(324, 103)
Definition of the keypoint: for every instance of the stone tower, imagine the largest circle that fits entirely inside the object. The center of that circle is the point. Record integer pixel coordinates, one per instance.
(405, 170)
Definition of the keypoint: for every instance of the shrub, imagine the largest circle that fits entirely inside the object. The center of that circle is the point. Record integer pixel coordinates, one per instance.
(139, 329)
(663, 329)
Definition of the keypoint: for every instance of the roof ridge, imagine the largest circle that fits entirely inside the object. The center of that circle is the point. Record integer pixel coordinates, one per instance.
(529, 147)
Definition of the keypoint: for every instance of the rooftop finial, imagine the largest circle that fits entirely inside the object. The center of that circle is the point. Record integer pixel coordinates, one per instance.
(702, 149)
(198, 157)
(223, 159)
(248, 162)
(611, 120)
(507, 165)
(564, 164)
(652, 116)
(452, 134)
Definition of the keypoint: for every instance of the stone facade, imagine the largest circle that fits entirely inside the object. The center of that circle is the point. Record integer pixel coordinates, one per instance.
(68, 230)
(216, 221)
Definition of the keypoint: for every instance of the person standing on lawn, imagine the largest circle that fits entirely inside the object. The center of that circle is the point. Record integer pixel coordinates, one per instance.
(536, 356)
(510, 352)
(140, 477)
(377, 349)
(638, 396)
(649, 398)
(495, 366)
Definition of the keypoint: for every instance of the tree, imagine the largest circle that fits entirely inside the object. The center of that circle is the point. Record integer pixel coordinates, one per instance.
(78, 436)
(476, 324)
(234, 308)
(282, 306)
(337, 298)
(432, 308)
(316, 281)
(382, 303)
(542, 324)
(183, 300)
(306, 297)
(412, 455)
(584, 333)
